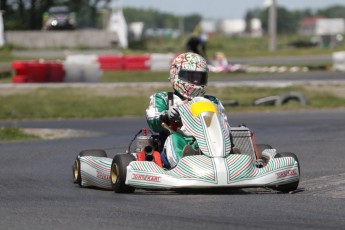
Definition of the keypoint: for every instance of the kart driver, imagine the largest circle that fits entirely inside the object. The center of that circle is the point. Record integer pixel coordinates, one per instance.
(188, 76)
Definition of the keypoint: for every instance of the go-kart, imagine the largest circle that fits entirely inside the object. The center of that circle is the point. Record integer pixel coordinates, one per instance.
(220, 64)
(211, 162)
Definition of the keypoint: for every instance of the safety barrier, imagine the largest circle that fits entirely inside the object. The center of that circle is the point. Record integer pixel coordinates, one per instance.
(21, 70)
(82, 68)
(111, 62)
(339, 61)
(86, 67)
(136, 62)
(37, 71)
(161, 62)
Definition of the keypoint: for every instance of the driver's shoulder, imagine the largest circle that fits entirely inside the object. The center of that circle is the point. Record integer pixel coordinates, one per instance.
(212, 98)
(161, 94)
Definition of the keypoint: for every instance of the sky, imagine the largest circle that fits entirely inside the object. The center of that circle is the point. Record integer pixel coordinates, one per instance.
(223, 9)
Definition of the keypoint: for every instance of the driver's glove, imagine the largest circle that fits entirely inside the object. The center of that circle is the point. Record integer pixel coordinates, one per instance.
(173, 113)
(164, 117)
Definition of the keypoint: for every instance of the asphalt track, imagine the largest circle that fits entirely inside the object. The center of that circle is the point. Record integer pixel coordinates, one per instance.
(36, 189)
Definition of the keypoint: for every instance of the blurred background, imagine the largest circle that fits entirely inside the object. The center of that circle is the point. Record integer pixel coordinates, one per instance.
(275, 49)
(141, 24)
(232, 30)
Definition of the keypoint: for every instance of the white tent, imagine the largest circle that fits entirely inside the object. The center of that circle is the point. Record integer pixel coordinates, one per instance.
(330, 26)
(2, 37)
(117, 23)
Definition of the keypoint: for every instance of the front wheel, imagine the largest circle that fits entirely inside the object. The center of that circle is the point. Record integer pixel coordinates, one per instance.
(76, 165)
(292, 186)
(93, 152)
(119, 172)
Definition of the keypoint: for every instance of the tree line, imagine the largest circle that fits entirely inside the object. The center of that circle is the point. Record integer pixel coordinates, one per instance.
(287, 21)
(27, 15)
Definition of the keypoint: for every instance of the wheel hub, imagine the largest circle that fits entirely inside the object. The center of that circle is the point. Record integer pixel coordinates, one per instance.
(76, 170)
(114, 173)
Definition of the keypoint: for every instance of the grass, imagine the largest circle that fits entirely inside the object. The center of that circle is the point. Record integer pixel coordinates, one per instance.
(13, 133)
(66, 103)
(5, 55)
(44, 103)
(134, 76)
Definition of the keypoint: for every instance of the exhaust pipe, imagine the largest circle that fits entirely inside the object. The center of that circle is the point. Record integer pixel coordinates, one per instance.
(148, 150)
(149, 154)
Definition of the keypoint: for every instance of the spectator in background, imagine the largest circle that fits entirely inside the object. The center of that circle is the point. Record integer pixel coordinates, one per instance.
(220, 64)
(197, 44)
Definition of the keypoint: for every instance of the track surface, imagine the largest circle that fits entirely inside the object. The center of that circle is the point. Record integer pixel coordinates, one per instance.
(36, 189)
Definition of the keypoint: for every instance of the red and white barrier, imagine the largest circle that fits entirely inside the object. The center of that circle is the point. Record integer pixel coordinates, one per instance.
(82, 68)
(111, 62)
(152, 62)
(37, 71)
(87, 68)
(161, 62)
(136, 62)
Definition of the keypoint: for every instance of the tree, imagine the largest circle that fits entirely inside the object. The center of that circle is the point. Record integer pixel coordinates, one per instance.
(191, 21)
(337, 11)
(288, 20)
(3, 5)
(27, 14)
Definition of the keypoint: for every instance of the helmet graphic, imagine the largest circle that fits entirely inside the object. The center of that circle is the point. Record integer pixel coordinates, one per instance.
(189, 74)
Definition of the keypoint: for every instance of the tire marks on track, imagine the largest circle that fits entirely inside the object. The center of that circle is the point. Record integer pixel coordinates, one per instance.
(332, 186)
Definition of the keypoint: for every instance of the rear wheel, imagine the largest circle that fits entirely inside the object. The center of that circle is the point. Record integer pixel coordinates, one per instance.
(76, 165)
(292, 186)
(119, 173)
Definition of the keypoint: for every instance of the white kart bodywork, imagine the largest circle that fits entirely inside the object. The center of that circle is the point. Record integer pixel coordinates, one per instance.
(216, 167)
(235, 170)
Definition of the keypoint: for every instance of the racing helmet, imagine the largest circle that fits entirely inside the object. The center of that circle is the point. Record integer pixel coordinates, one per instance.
(189, 75)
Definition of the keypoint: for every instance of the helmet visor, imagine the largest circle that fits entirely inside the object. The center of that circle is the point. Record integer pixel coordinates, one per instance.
(193, 77)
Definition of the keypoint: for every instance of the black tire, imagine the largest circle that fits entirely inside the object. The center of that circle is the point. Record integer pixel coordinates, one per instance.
(270, 100)
(119, 172)
(93, 152)
(76, 165)
(285, 188)
(295, 96)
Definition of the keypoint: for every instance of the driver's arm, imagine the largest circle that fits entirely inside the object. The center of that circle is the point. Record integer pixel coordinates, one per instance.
(158, 107)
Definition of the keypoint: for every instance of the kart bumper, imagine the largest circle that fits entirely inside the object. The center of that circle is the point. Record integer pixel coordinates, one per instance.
(205, 172)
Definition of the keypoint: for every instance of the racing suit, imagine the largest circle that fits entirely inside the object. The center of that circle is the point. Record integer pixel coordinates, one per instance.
(174, 143)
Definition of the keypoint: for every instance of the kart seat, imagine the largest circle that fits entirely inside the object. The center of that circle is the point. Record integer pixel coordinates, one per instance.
(243, 141)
